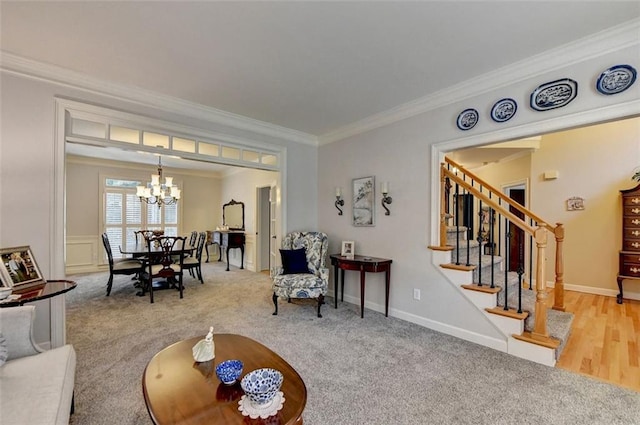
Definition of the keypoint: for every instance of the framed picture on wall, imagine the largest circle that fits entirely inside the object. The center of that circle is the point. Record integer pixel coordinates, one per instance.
(364, 201)
(19, 268)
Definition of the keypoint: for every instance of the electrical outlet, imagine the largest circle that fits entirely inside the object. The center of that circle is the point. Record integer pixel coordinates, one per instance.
(416, 294)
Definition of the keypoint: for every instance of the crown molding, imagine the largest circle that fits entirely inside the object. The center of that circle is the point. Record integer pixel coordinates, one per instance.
(598, 44)
(29, 68)
(141, 168)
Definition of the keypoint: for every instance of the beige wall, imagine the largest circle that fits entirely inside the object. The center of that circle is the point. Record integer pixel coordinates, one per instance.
(594, 163)
(200, 205)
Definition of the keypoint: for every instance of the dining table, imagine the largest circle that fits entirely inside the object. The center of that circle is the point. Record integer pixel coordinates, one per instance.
(140, 249)
(142, 252)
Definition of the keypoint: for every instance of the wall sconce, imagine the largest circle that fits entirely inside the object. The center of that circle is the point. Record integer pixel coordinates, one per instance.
(339, 201)
(386, 199)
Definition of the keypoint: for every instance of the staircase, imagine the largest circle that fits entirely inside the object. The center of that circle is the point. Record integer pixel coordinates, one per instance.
(517, 309)
(492, 300)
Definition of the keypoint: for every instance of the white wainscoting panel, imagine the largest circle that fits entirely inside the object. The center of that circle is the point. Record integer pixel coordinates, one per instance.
(250, 252)
(83, 254)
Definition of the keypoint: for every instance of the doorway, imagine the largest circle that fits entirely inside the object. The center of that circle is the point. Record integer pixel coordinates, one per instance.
(464, 205)
(263, 230)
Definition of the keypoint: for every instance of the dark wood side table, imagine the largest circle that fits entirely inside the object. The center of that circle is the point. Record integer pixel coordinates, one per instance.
(44, 290)
(53, 290)
(363, 264)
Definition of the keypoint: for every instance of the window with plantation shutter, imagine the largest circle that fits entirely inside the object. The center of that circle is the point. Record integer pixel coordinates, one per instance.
(124, 214)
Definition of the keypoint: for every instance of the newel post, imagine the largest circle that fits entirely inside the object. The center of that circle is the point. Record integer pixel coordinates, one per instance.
(540, 325)
(558, 290)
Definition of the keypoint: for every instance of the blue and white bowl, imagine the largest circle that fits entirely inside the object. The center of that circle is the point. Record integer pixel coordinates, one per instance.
(262, 385)
(229, 371)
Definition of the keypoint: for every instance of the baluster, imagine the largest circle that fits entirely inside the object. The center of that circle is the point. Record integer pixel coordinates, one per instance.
(531, 222)
(480, 239)
(507, 237)
(457, 219)
(499, 247)
(492, 218)
(520, 272)
(468, 207)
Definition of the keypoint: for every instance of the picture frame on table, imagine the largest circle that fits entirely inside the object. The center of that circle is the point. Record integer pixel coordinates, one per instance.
(348, 249)
(19, 268)
(364, 201)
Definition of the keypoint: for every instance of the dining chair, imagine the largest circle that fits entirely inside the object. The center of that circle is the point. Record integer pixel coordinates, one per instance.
(195, 263)
(166, 263)
(145, 235)
(119, 267)
(193, 238)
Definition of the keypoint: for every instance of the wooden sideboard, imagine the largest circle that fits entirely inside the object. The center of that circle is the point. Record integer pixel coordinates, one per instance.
(629, 267)
(226, 240)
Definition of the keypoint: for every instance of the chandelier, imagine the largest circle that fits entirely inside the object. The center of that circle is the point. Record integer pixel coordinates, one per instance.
(157, 192)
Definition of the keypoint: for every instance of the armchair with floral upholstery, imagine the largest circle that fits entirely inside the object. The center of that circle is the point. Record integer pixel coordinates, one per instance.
(303, 273)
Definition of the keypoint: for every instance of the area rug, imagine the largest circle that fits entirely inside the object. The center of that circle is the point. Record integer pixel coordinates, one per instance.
(375, 370)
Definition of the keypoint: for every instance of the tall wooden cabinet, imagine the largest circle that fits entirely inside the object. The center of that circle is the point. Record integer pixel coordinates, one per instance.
(629, 267)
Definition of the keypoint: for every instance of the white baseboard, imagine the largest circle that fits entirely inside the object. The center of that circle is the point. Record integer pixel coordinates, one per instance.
(496, 344)
(598, 291)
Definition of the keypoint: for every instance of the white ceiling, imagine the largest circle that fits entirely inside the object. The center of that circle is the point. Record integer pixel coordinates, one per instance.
(310, 66)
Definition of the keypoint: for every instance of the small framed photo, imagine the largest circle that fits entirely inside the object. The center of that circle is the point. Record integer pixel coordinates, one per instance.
(364, 201)
(19, 268)
(348, 249)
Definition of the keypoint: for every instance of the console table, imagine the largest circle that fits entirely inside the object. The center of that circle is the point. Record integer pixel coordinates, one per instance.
(363, 264)
(226, 239)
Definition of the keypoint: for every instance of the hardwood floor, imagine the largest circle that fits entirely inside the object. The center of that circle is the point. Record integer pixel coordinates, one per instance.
(605, 339)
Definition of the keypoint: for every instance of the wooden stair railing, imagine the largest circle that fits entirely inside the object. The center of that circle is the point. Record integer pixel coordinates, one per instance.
(451, 171)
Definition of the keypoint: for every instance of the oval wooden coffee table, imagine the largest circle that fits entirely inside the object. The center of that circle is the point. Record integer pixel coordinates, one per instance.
(178, 390)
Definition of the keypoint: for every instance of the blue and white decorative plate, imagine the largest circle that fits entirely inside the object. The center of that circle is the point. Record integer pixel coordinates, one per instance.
(467, 119)
(504, 110)
(554, 94)
(616, 79)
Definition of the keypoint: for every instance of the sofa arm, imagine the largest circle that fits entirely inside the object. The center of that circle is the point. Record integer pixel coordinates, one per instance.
(16, 325)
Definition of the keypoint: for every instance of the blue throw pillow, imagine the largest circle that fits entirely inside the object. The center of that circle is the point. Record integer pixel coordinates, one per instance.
(294, 261)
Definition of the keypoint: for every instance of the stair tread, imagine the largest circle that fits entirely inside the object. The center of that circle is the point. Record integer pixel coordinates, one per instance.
(558, 322)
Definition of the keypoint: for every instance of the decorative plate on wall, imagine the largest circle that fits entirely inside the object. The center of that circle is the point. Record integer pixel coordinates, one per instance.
(504, 110)
(616, 79)
(554, 94)
(467, 119)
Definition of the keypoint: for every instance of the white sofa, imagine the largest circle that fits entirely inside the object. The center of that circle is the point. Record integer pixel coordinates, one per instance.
(36, 386)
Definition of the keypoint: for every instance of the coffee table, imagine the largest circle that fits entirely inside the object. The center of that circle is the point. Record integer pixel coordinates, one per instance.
(178, 390)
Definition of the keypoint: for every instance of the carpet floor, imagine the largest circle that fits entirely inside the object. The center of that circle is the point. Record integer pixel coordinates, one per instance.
(375, 370)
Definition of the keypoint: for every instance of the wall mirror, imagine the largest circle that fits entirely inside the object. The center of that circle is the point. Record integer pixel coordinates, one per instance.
(233, 215)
